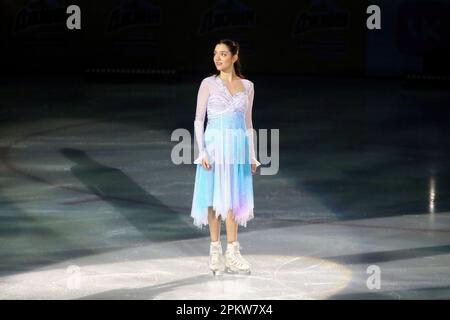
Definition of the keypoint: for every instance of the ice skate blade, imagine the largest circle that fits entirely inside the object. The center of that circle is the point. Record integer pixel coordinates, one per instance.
(217, 272)
(233, 271)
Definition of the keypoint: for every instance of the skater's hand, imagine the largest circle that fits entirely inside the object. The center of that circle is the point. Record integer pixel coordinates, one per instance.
(253, 168)
(205, 163)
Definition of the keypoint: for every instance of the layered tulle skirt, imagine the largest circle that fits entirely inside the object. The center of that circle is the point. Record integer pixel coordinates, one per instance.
(227, 187)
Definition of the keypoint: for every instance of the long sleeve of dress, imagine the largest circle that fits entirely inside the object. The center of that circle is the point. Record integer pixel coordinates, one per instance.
(249, 124)
(202, 99)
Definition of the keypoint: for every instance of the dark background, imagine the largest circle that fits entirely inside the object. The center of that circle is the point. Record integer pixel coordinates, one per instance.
(320, 37)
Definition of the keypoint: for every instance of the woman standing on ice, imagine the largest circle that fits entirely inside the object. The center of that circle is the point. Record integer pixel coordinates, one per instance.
(223, 181)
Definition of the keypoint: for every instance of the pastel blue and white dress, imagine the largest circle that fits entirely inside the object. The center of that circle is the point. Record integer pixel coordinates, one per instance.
(228, 143)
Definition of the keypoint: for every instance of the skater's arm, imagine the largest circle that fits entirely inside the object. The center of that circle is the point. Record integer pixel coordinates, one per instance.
(249, 124)
(202, 99)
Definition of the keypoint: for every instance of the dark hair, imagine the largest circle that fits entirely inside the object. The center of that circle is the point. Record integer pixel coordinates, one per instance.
(234, 48)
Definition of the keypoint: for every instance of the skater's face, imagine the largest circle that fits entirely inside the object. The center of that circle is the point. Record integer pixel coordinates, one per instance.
(223, 58)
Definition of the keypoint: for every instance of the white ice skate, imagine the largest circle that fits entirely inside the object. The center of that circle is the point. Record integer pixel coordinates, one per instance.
(216, 263)
(234, 262)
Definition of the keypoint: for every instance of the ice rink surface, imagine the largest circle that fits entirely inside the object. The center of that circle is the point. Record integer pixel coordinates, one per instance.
(92, 206)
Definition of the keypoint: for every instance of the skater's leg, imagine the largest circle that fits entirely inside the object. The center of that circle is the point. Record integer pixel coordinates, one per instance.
(232, 227)
(234, 262)
(215, 251)
(214, 225)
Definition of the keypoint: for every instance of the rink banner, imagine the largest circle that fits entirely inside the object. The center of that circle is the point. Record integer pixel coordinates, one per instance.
(414, 38)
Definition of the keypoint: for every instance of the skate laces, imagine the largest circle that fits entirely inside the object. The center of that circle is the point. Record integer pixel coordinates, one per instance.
(236, 257)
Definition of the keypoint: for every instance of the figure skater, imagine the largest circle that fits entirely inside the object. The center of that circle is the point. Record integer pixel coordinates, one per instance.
(223, 187)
